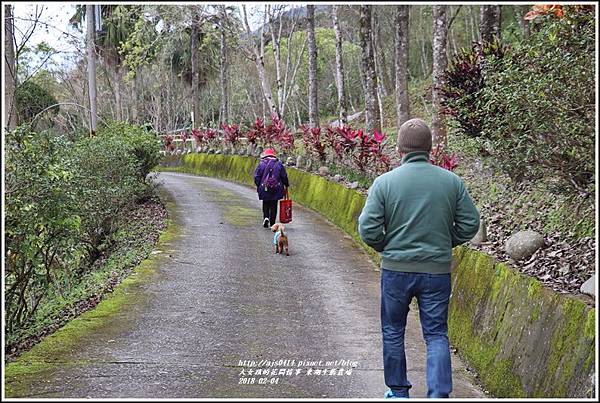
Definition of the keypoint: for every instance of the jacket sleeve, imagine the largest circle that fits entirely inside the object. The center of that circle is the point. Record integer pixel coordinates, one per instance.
(466, 218)
(371, 222)
(258, 174)
(284, 177)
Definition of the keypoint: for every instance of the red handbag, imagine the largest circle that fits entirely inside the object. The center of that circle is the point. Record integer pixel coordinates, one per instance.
(285, 209)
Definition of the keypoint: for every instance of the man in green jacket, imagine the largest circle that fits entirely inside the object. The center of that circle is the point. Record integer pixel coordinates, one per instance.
(414, 215)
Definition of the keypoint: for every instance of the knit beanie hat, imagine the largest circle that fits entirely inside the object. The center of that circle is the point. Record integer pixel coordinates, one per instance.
(414, 135)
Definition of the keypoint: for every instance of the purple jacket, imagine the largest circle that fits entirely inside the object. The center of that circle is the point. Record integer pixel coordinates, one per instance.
(278, 171)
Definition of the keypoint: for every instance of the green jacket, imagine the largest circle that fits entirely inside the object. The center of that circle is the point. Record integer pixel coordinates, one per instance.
(415, 214)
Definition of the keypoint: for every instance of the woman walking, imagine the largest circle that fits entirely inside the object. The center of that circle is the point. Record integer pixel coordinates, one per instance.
(271, 181)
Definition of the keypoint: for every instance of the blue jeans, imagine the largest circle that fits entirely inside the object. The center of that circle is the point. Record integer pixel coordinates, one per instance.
(433, 294)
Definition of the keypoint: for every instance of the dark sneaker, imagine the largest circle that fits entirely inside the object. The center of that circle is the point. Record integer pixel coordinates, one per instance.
(266, 223)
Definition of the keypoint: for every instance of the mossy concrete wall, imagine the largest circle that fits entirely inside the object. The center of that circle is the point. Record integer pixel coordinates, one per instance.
(523, 339)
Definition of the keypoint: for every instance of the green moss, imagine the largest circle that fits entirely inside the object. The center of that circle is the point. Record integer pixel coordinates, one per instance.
(563, 355)
(499, 281)
(218, 194)
(589, 361)
(458, 253)
(535, 315)
(507, 384)
(16, 376)
(481, 266)
(241, 216)
(52, 350)
(590, 325)
(534, 293)
(483, 341)
(534, 288)
(471, 295)
(496, 375)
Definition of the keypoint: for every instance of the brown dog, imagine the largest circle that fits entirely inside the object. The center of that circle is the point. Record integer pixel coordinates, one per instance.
(280, 240)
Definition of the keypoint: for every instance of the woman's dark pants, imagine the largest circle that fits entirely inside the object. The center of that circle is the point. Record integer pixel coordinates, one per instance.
(270, 210)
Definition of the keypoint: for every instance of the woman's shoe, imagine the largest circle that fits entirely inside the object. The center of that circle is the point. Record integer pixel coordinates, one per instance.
(266, 223)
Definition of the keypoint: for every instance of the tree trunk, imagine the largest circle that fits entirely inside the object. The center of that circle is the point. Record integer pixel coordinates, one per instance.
(287, 88)
(424, 58)
(10, 111)
(265, 85)
(158, 118)
(91, 54)
(298, 114)
(440, 62)
(424, 69)
(454, 45)
(135, 102)
(380, 104)
(313, 110)
(523, 23)
(258, 57)
(402, 34)
(195, 70)
(372, 121)
(224, 76)
(381, 93)
(489, 22)
(276, 38)
(381, 67)
(454, 49)
(339, 67)
(378, 68)
(475, 34)
(119, 92)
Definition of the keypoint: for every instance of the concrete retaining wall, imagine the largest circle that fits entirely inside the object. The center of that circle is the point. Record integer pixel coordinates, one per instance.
(523, 339)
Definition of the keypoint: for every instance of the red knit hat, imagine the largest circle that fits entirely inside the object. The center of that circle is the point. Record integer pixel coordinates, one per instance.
(269, 152)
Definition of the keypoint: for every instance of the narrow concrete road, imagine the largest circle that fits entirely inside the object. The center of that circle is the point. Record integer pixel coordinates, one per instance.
(223, 301)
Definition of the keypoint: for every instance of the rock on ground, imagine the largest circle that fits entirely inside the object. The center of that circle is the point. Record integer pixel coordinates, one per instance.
(589, 287)
(523, 244)
(481, 235)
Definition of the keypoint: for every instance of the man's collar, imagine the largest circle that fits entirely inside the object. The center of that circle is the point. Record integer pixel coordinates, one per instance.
(415, 156)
